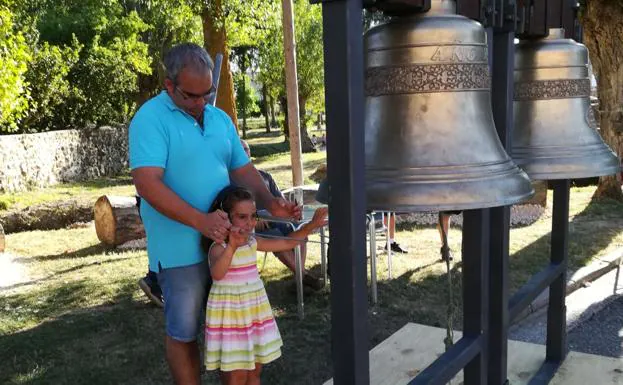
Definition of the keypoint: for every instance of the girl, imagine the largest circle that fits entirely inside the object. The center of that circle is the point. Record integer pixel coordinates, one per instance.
(241, 333)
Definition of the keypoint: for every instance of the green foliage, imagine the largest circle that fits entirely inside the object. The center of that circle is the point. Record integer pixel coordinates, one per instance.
(108, 79)
(309, 58)
(170, 22)
(14, 57)
(247, 99)
(50, 89)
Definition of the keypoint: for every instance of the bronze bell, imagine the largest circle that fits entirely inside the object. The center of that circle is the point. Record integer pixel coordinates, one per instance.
(555, 134)
(430, 139)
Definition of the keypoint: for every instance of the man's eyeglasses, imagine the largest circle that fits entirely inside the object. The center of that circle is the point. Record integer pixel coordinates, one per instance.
(194, 97)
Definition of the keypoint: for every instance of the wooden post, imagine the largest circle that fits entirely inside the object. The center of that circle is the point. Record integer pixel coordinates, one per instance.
(292, 87)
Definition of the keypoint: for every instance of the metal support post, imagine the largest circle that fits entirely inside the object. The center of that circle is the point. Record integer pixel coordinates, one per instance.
(343, 69)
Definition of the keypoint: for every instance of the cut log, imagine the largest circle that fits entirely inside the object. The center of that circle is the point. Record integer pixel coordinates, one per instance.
(2, 243)
(117, 220)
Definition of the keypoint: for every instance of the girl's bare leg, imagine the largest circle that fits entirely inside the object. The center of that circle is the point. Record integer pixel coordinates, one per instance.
(254, 375)
(236, 377)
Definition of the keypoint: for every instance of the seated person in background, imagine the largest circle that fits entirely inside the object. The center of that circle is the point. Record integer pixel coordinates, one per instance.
(282, 229)
(322, 196)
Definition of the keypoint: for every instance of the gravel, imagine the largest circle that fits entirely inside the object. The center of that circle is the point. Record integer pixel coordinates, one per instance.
(522, 215)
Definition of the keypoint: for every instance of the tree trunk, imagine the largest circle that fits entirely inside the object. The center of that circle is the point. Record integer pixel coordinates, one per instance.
(215, 41)
(273, 121)
(602, 21)
(2, 241)
(117, 220)
(244, 105)
(283, 103)
(265, 112)
(306, 143)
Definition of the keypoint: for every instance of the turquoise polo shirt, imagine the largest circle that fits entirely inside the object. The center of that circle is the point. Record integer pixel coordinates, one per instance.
(196, 164)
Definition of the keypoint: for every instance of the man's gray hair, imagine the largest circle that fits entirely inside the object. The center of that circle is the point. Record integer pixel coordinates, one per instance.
(187, 55)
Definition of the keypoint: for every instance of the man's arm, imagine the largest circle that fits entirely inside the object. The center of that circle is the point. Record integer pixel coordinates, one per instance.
(248, 176)
(149, 185)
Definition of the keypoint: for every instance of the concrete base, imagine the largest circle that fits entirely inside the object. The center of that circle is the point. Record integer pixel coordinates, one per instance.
(411, 349)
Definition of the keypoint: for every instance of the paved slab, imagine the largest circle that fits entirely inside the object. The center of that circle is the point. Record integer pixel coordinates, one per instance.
(411, 349)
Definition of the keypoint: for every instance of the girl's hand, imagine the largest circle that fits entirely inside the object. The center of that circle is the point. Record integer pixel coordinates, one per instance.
(237, 237)
(320, 217)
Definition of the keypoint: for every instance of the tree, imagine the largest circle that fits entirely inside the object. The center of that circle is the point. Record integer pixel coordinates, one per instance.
(169, 22)
(602, 21)
(215, 42)
(309, 59)
(14, 57)
(243, 56)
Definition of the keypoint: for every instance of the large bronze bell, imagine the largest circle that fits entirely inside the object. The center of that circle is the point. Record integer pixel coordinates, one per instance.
(430, 139)
(555, 134)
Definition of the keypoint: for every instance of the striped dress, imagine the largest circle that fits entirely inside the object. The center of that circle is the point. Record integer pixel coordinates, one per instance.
(240, 328)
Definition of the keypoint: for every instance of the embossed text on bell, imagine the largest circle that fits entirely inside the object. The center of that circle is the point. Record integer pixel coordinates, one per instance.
(430, 139)
(555, 135)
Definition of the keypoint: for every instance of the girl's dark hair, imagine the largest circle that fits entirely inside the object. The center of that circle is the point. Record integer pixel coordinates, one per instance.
(225, 200)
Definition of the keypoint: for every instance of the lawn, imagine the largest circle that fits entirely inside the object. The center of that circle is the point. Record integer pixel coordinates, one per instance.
(78, 317)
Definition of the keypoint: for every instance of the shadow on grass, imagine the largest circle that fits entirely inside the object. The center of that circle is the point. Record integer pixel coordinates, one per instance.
(590, 232)
(61, 272)
(119, 343)
(268, 149)
(256, 133)
(310, 164)
(98, 249)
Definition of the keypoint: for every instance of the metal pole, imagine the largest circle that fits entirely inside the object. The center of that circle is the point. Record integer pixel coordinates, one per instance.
(298, 272)
(343, 58)
(476, 290)
(556, 350)
(502, 49)
(372, 231)
(323, 256)
(216, 77)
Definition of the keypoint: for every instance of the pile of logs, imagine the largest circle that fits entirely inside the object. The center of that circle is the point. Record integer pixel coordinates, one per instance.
(117, 220)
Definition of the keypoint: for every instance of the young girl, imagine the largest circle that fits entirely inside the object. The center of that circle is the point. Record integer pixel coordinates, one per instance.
(241, 333)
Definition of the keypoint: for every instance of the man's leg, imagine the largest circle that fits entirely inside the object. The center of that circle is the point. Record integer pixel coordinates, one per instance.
(185, 292)
(288, 259)
(445, 225)
(183, 360)
(390, 220)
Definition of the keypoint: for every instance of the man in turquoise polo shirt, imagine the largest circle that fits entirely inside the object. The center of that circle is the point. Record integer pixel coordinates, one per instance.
(182, 153)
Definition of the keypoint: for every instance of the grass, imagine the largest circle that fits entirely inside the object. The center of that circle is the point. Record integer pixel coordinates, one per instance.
(78, 317)
(90, 190)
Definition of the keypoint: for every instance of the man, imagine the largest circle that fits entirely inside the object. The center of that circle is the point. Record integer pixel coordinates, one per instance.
(182, 153)
(281, 229)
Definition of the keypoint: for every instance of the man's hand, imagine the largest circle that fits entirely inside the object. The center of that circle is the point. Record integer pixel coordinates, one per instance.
(280, 207)
(215, 226)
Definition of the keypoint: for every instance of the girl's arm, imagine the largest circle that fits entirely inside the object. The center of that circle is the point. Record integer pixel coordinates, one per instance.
(318, 220)
(220, 259)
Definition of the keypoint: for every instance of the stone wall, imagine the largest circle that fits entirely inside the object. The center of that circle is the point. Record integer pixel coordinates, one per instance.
(38, 160)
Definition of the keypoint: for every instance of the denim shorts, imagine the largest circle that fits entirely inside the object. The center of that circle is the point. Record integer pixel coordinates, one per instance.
(185, 290)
